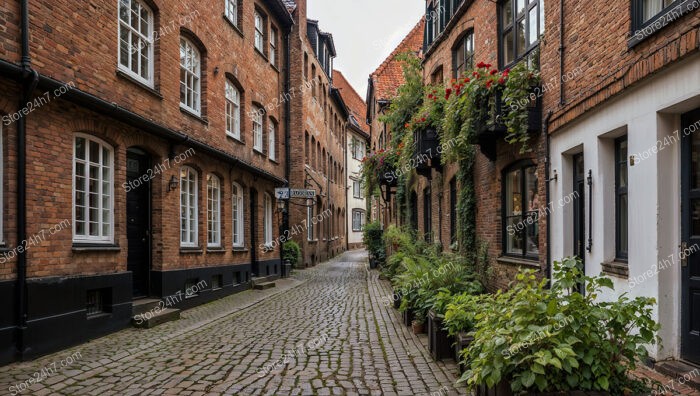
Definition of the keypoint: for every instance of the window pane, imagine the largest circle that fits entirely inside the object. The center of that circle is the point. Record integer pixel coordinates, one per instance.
(520, 36)
(507, 13)
(520, 6)
(650, 8)
(533, 34)
(513, 194)
(623, 221)
(509, 48)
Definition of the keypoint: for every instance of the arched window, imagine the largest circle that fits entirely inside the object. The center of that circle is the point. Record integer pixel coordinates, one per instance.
(188, 207)
(93, 172)
(190, 77)
(463, 54)
(213, 211)
(237, 211)
(233, 111)
(136, 40)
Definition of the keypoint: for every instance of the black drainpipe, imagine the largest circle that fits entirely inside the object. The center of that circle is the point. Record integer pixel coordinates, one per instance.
(287, 131)
(548, 180)
(561, 52)
(28, 81)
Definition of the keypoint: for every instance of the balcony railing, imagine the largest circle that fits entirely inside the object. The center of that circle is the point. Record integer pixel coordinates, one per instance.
(427, 151)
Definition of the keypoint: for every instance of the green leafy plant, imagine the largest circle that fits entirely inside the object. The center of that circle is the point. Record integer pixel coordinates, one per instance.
(557, 339)
(460, 313)
(291, 252)
(373, 240)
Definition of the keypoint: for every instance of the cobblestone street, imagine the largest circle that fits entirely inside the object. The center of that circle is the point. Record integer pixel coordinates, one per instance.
(352, 344)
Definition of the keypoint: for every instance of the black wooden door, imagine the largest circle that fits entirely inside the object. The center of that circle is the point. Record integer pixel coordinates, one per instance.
(690, 224)
(138, 199)
(253, 231)
(580, 212)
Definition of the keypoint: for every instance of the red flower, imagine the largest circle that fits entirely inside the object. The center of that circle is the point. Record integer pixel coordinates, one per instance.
(502, 80)
(475, 74)
(422, 119)
(488, 84)
(448, 92)
(480, 65)
(407, 125)
(507, 70)
(494, 71)
(458, 91)
(487, 65)
(466, 80)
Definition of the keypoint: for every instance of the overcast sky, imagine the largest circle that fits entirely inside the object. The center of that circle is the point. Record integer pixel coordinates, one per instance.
(365, 32)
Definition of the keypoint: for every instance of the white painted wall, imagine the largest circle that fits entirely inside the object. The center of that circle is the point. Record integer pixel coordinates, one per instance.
(647, 114)
(353, 173)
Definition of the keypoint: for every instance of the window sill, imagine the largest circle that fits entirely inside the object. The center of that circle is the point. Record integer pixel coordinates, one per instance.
(216, 250)
(235, 139)
(189, 112)
(191, 250)
(519, 261)
(258, 152)
(233, 25)
(239, 250)
(95, 247)
(257, 50)
(275, 67)
(274, 161)
(99, 316)
(660, 21)
(141, 84)
(616, 268)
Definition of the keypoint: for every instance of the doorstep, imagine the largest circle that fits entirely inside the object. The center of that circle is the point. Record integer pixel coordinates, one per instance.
(670, 374)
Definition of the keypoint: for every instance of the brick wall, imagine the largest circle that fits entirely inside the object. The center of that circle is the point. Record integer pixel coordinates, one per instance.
(598, 61)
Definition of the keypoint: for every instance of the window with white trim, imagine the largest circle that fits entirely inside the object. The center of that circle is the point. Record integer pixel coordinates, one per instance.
(259, 32)
(358, 220)
(257, 117)
(357, 189)
(232, 11)
(233, 111)
(190, 76)
(237, 210)
(271, 148)
(93, 165)
(213, 211)
(309, 220)
(267, 220)
(188, 207)
(136, 40)
(273, 46)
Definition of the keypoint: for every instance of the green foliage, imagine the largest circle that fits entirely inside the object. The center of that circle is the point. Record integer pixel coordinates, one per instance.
(547, 340)
(460, 313)
(517, 94)
(372, 238)
(292, 252)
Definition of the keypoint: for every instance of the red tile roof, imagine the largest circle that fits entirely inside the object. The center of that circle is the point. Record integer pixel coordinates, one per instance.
(389, 75)
(355, 103)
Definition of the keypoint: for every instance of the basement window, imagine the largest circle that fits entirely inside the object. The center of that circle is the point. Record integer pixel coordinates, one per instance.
(217, 282)
(97, 302)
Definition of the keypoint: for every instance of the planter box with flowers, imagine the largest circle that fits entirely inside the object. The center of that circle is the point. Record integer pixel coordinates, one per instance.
(427, 153)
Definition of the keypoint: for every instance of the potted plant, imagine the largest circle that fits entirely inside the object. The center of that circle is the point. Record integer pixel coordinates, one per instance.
(418, 325)
(539, 339)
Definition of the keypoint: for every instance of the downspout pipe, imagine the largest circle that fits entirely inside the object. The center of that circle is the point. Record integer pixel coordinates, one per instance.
(29, 79)
(561, 52)
(287, 133)
(548, 180)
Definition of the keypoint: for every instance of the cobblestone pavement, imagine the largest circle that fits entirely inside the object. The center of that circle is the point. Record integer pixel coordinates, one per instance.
(323, 332)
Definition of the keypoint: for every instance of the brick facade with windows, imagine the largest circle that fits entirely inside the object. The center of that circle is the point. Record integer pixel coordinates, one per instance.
(136, 106)
(318, 141)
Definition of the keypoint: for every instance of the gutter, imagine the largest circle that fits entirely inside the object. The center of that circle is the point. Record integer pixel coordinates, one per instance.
(287, 136)
(28, 80)
(547, 181)
(87, 100)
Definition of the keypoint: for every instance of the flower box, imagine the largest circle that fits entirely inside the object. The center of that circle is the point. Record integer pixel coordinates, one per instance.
(408, 316)
(461, 343)
(491, 127)
(427, 151)
(439, 341)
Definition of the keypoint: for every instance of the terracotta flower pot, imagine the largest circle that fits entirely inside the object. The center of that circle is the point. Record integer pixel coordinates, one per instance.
(418, 327)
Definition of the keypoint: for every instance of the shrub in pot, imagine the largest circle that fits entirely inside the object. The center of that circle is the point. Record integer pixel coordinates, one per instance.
(551, 340)
(291, 252)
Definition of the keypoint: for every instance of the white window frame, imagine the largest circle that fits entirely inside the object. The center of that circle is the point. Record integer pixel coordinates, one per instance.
(231, 11)
(271, 133)
(309, 222)
(257, 117)
(267, 219)
(360, 218)
(102, 237)
(233, 110)
(192, 69)
(357, 189)
(273, 46)
(141, 49)
(213, 211)
(259, 32)
(191, 225)
(237, 213)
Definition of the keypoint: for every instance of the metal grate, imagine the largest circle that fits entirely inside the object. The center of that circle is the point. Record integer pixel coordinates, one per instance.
(95, 302)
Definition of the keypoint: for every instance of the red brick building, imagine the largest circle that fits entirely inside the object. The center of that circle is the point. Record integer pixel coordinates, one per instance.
(141, 145)
(381, 89)
(318, 136)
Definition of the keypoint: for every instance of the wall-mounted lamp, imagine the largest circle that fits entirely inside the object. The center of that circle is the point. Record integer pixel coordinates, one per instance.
(280, 205)
(173, 183)
(554, 177)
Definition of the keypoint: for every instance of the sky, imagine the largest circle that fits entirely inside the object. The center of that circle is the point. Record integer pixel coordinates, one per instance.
(365, 32)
